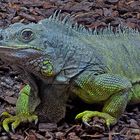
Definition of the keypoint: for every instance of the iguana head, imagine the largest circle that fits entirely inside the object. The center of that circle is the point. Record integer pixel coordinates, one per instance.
(41, 36)
(23, 46)
(21, 36)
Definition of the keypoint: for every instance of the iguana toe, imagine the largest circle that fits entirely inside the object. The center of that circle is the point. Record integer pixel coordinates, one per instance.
(16, 120)
(87, 115)
(32, 118)
(15, 124)
(5, 114)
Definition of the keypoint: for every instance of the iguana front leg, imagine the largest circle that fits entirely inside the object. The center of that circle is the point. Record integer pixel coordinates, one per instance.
(113, 90)
(23, 113)
(28, 98)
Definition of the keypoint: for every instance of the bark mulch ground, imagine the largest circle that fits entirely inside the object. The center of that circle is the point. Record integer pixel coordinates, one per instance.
(92, 14)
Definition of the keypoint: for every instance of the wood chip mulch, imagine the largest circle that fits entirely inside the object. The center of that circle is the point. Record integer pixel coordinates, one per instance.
(92, 14)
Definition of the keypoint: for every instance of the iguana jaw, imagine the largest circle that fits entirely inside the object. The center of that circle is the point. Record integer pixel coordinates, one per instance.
(31, 60)
(12, 53)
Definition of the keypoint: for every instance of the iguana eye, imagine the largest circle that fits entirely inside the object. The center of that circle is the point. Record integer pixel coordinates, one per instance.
(27, 35)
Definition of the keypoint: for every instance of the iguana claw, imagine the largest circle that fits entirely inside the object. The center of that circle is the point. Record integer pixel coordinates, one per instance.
(16, 120)
(86, 124)
(87, 115)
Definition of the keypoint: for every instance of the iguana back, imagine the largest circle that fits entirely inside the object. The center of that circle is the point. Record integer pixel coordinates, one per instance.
(120, 53)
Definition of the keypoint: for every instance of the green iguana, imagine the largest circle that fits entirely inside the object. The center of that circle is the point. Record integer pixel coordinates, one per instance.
(59, 58)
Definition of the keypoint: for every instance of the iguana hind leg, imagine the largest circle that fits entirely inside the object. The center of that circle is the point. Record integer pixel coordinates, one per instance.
(114, 90)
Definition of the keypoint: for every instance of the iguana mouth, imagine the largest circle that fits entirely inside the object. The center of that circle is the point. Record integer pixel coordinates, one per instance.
(8, 48)
(12, 53)
(18, 47)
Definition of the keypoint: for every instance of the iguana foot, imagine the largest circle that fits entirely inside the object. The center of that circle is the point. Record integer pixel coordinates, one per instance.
(87, 115)
(16, 120)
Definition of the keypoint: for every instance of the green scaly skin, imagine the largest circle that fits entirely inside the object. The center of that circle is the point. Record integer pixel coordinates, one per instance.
(59, 58)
